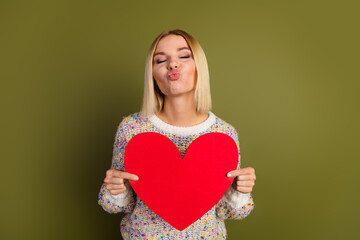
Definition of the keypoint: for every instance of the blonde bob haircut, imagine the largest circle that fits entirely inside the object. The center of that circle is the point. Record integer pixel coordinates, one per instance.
(153, 99)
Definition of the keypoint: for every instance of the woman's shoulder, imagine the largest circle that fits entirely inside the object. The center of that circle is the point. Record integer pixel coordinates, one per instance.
(133, 117)
(132, 121)
(225, 127)
(222, 124)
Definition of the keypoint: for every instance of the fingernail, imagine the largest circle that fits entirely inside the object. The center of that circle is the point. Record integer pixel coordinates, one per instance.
(229, 174)
(136, 178)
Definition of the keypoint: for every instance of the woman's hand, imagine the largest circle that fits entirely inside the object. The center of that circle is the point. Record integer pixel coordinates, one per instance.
(244, 179)
(115, 180)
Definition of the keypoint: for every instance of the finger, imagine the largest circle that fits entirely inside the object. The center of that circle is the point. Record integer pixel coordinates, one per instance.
(116, 192)
(121, 174)
(245, 183)
(249, 170)
(113, 173)
(246, 177)
(114, 180)
(129, 176)
(233, 173)
(241, 171)
(109, 179)
(115, 186)
(237, 172)
(244, 189)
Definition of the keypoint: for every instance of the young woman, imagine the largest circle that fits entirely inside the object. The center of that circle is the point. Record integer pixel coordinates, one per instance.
(176, 104)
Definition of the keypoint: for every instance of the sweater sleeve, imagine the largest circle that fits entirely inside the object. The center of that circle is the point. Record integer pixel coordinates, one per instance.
(123, 202)
(235, 204)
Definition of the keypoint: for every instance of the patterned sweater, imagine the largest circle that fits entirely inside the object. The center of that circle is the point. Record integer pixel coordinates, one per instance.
(140, 222)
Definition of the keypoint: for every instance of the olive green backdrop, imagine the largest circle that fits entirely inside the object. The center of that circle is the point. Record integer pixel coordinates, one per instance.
(284, 73)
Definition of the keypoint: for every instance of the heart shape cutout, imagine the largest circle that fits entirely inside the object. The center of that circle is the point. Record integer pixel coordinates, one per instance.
(181, 190)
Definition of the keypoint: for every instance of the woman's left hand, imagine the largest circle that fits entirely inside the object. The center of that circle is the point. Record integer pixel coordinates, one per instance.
(244, 180)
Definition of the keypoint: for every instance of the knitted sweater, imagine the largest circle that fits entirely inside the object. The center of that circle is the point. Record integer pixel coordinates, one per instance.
(140, 222)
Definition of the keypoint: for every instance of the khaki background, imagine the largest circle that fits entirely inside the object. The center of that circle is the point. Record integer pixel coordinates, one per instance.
(284, 73)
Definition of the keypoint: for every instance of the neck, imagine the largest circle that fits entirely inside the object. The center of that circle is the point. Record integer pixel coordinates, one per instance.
(181, 111)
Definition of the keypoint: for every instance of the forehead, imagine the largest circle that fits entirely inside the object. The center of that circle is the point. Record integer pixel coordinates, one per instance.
(171, 42)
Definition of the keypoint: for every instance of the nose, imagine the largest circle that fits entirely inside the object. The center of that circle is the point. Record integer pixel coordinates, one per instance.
(173, 64)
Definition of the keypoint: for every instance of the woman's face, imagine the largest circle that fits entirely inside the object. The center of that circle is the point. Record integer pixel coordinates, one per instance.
(174, 68)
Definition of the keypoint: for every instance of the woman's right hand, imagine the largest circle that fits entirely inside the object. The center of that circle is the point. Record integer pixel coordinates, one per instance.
(115, 180)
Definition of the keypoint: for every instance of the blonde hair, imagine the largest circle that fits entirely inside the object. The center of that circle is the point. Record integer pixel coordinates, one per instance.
(153, 99)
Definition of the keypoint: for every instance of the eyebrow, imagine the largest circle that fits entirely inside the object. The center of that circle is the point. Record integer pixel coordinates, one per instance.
(179, 49)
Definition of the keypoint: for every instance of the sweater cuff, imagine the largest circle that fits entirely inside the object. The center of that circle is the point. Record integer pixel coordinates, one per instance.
(235, 198)
(120, 199)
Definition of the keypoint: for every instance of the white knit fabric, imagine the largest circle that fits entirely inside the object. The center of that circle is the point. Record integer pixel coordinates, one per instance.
(182, 131)
(120, 199)
(235, 198)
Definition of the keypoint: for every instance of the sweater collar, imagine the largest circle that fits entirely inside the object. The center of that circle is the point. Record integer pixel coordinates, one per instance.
(182, 131)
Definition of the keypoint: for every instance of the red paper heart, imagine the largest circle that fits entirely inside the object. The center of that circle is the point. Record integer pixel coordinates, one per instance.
(180, 190)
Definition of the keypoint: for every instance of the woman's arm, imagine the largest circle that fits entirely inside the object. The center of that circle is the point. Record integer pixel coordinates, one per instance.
(125, 201)
(235, 204)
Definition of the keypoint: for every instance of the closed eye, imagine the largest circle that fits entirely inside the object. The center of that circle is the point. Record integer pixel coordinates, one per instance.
(160, 61)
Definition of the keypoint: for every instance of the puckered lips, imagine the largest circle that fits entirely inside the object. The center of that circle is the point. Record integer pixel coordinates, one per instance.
(174, 75)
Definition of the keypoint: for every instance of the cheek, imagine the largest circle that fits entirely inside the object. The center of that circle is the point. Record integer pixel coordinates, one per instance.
(157, 72)
(157, 77)
(193, 71)
(192, 68)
